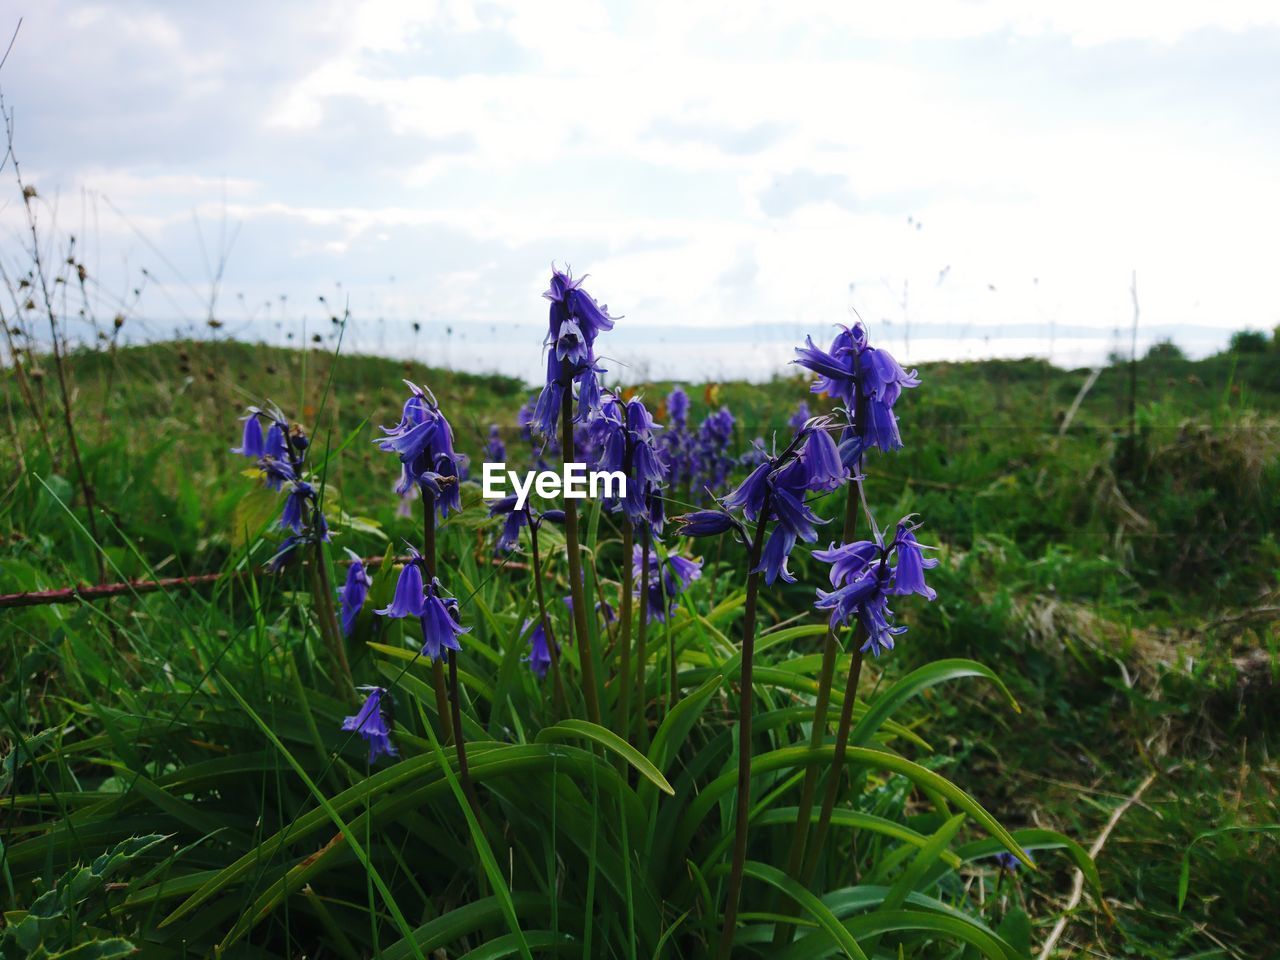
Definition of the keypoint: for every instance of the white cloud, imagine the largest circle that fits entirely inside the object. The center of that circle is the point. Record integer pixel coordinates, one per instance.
(711, 165)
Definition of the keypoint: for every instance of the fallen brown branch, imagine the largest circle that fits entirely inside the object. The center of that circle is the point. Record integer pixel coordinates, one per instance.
(1077, 888)
(105, 591)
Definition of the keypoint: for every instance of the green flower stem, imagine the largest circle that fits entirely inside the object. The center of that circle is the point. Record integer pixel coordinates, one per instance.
(642, 635)
(557, 681)
(437, 669)
(830, 649)
(745, 700)
(623, 724)
(577, 588)
(837, 762)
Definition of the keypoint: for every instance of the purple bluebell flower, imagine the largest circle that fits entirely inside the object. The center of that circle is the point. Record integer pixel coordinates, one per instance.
(1009, 862)
(777, 551)
(275, 445)
(749, 496)
(409, 596)
(864, 579)
(712, 461)
(423, 440)
(353, 593)
(294, 515)
(495, 451)
(440, 626)
(908, 573)
(539, 658)
(821, 458)
(678, 409)
(848, 561)
(276, 473)
(706, 523)
(574, 322)
(866, 379)
(800, 417)
(669, 578)
(625, 438)
(251, 443)
(371, 722)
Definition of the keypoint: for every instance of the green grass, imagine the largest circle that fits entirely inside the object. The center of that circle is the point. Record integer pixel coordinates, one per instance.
(1123, 588)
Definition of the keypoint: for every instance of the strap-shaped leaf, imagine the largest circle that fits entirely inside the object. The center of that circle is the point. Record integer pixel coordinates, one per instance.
(567, 729)
(916, 682)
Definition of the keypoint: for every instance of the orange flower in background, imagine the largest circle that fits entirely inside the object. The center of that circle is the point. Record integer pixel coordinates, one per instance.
(711, 394)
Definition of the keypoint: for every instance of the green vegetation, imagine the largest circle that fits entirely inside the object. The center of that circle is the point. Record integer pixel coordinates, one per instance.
(1122, 583)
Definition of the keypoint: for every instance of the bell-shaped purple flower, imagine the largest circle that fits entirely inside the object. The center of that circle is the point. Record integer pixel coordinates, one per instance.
(495, 451)
(294, 516)
(773, 562)
(750, 495)
(795, 516)
(371, 723)
(409, 596)
(440, 630)
(678, 409)
(353, 593)
(848, 561)
(908, 573)
(275, 446)
(706, 523)
(251, 442)
(821, 458)
(539, 658)
(877, 620)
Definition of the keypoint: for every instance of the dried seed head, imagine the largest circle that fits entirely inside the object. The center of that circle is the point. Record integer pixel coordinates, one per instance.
(118, 321)
(29, 192)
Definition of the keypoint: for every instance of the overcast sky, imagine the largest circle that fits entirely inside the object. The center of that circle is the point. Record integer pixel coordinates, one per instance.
(712, 166)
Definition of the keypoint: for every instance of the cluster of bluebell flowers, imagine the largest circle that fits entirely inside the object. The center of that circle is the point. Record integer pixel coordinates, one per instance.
(353, 593)
(515, 520)
(574, 322)
(866, 574)
(280, 454)
(373, 722)
(776, 491)
(423, 440)
(436, 612)
(668, 579)
(867, 380)
(625, 435)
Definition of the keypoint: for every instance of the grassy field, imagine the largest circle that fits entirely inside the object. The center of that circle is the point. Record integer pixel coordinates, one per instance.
(1116, 567)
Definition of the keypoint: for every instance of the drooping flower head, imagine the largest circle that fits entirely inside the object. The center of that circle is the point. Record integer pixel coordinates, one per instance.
(800, 417)
(440, 626)
(678, 409)
(867, 380)
(669, 578)
(516, 520)
(495, 451)
(353, 593)
(574, 322)
(372, 722)
(776, 491)
(423, 440)
(865, 575)
(436, 612)
(539, 658)
(627, 441)
(251, 443)
(711, 458)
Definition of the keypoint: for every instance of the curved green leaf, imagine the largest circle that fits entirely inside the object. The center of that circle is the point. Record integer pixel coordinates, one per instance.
(916, 682)
(567, 729)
